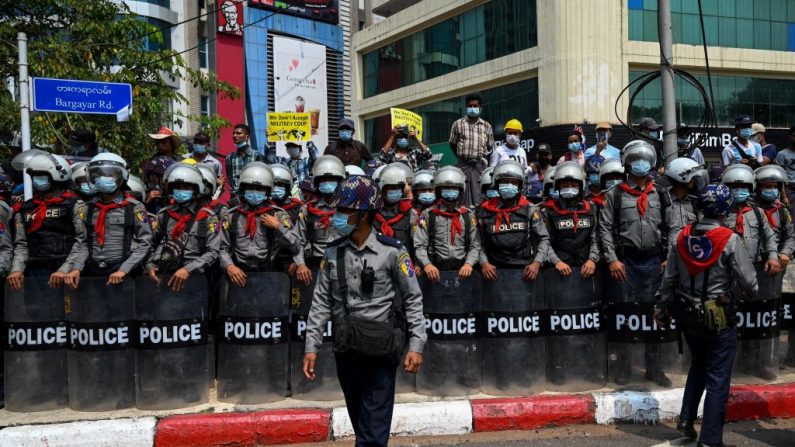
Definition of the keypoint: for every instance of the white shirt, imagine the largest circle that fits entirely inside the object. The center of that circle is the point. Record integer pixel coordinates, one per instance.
(732, 156)
(506, 153)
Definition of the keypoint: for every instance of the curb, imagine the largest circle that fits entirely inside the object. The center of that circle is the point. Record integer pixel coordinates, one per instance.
(452, 417)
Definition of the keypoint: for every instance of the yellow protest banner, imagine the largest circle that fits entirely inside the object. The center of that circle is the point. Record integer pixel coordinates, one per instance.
(288, 126)
(402, 117)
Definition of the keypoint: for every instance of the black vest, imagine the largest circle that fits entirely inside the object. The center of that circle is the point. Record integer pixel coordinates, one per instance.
(572, 248)
(402, 227)
(510, 244)
(54, 239)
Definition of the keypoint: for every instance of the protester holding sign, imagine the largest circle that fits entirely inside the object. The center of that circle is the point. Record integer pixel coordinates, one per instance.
(399, 148)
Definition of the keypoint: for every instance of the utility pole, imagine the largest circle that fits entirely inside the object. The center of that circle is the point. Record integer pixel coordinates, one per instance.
(667, 80)
(24, 104)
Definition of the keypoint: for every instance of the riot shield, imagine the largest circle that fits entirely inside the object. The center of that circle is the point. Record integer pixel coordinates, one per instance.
(252, 336)
(512, 339)
(326, 386)
(172, 356)
(640, 353)
(787, 320)
(101, 354)
(35, 344)
(577, 342)
(758, 331)
(452, 363)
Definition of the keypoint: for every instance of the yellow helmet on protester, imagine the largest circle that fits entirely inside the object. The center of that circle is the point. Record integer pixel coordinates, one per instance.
(514, 124)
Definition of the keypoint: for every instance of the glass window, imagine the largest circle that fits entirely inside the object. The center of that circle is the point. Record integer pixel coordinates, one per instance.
(205, 106)
(202, 52)
(486, 32)
(152, 42)
(163, 3)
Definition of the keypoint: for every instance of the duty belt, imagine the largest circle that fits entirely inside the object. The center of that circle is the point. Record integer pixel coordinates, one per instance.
(636, 253)
(448, 264)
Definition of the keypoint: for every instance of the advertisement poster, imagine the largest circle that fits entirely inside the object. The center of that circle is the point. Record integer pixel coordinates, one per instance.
(288, 126)
(230, 17)
(322, 10)
(299, 86)
(401, 117)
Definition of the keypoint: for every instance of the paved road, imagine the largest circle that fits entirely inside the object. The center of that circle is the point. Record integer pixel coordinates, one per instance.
(776, 433)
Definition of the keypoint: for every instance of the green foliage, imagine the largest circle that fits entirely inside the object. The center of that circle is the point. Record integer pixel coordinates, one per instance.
(98, 40)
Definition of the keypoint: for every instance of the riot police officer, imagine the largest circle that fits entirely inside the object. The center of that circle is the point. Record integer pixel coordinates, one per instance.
(592, 165)
(188, 236)
(397, 215)
(446, 236)
(611, 174)
(258, 231)
(487, 189)
(549, 184)
(634, 235)
(368, 280)
(281, 196)
(512, 233)
(699, 276)
(682, 173)
(81, 184)
(50, 237)
(422, 187)
(117, 227)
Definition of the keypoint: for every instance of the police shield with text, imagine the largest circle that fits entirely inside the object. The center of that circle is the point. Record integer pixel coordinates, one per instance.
(576, 343)
(515, 244)
(704, 266)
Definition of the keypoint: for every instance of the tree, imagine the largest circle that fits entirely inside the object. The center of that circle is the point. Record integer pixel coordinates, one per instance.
(99, 40)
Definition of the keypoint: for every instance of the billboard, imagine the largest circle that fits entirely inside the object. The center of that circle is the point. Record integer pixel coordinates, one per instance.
(299, 85)
(321, 10)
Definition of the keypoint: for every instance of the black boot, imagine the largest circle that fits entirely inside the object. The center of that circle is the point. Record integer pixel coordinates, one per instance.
(658, 376)
(686, 428)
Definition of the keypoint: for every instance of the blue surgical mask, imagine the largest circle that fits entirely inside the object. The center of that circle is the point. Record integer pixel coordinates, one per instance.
(569, 193)
(327, 187)
(86, 189)
(770, 194)
(682, 141)
(473, 112)
(105, 185)
(393, 196)
(426, 198)
(574, 147)
(402, 143)
(241, 144)
(451, 195)
(611, 183)
(278, 192)
(492, 193)
(346, 135)
(199, 149)
(741, 194)
(183, 195)
(508, 191)
(41, 183)
(746, 132)
(640, 168)
(340, 223)
(593, 179)
(554, 194)
(255, 198)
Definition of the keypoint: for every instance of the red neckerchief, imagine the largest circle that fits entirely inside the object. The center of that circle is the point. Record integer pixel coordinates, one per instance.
(404, 206)
(292, 204)
(325, 216)
(719, 237)
(643, 196)
(182, 221)
(493, 206)
(456, 227)
(251, 219)
(103, 213)
(598, 199)
(769, 212)
(739, 224)
(552, 204)
(41, 212)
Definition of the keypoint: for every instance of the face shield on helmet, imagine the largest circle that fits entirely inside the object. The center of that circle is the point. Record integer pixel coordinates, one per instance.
(450, 183)
(107, 172)
(638, 158)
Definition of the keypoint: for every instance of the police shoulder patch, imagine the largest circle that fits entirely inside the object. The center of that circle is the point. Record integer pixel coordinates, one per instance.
(284, 218)
(141, 216)
(323, 263)
(386, 240)
(405, 264)
(213, 225)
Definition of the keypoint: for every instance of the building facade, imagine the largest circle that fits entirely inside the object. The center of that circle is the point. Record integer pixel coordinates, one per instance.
(558, 64)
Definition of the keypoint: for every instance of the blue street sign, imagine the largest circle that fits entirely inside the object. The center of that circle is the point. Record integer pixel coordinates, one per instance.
(66, 95)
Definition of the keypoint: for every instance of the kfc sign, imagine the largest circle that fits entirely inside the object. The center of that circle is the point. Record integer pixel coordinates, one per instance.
(230, 17)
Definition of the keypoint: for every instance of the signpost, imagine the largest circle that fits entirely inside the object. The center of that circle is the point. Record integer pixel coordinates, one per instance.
(70, 96)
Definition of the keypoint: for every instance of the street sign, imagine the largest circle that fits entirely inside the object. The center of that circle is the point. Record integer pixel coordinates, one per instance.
(66, 95)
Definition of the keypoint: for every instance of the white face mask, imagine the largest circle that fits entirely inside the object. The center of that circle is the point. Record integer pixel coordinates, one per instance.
(512, 139)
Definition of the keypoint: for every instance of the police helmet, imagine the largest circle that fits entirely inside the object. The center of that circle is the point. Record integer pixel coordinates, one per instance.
(184, 173)
(739, 174)
(108, 164)
(569, 170)
(377, 172)
(281, 173)
(715, 200)
(392, 175)
(256, 174)
(422, 179)
(328, 166)
(136, 187)
(508, 169)
(771, 173)
(682, 170)
(486, 179)
(54, 165)
(353, 170)
(79, 172)
(450, 177)
(638, 150)
(406, 170)
(549, 179)
(208, 175)
(20, 161)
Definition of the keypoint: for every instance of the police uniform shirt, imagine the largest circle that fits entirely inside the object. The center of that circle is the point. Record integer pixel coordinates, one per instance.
(194, 259)
(754, 232)
(780, 221)
(317, 236)
(77, 254)
(246, 251)
(561, 232)
(6, 239)
(113, 250)
(679, 214)
(394, 274)
(403, 228)
(444, 250)
(733, 264)
(514, 243)
(642, 234)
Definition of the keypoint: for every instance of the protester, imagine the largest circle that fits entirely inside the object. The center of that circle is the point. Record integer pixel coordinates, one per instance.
(604, 130)
(403, 146)
(741, 149)
(472, 140)
(243, 155)
(348, 150)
